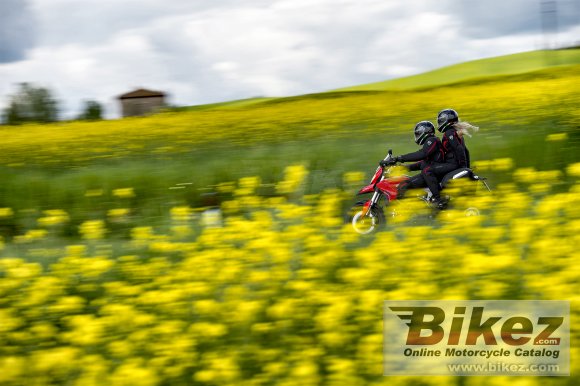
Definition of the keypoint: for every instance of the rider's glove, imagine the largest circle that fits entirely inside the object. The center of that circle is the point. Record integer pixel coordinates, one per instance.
(389, 162)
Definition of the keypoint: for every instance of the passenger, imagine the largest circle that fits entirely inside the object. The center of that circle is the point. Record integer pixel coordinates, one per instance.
(456, 152)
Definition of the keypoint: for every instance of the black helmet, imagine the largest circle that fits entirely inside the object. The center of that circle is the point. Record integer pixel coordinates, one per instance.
(423, 130)
(445, 118)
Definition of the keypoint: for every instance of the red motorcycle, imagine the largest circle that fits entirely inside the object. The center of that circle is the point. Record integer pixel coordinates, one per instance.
(366, 216)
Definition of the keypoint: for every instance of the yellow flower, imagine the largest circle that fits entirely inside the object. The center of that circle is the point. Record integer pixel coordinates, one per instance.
(44, 330)
(24, 270)
(120, 348)
(207, 307)
(557, 137)
(248, 185)
(307, 371)
(12, 369)
(132, 372)
(181, 213)
(294, 177)
(86, 330)
(93, 229)
(31, 235)
(208, 330)
(10, 321)
(181, 231)
(540, 188)
(120, 212)
(58, 360)
(94, 193)
(68, 304)
(124, 193)
(353, 178)
(503, 164)
(76, 250)
(527, 175)
(226, 187)
(6, 212)
(574, 169)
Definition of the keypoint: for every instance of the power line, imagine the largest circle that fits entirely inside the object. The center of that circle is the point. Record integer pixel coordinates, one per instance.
(549, 17)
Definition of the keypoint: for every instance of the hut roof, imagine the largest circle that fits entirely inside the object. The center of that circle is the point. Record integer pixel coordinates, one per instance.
(142, 93)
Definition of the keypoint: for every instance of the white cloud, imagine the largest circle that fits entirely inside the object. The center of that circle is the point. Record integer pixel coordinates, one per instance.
(203, 51)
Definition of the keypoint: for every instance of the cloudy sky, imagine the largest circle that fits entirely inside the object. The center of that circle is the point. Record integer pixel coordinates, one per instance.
(203, 51)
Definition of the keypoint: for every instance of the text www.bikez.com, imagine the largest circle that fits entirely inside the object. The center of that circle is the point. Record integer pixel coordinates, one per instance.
(500, 367)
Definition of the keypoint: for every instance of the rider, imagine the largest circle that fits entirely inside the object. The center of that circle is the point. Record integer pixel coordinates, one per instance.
(456, 153)
(429, 156)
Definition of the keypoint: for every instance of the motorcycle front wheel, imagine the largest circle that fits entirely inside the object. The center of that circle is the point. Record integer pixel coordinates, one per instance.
(365, 224)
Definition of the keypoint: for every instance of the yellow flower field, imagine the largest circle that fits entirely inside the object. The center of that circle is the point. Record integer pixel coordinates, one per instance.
(549, 97)
(275, 290)
(207, 246)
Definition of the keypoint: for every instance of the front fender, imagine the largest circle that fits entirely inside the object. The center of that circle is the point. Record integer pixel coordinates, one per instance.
(367, 189)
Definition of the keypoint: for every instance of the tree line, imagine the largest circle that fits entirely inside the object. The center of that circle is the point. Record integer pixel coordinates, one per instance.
(33, 104)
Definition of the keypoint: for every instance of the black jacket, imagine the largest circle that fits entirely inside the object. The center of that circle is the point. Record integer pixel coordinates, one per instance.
(432, 151)
(454, 148)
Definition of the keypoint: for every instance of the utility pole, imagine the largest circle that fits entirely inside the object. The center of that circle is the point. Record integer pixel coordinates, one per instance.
(549, 17)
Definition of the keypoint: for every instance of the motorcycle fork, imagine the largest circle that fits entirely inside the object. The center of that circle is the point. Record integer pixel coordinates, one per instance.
(370, 203)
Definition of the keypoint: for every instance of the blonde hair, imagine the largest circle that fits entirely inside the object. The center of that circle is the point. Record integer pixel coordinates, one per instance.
(465, 128)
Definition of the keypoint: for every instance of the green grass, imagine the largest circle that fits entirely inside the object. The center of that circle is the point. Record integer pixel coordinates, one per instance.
(31, 191)
(501, 65)
(516, 112)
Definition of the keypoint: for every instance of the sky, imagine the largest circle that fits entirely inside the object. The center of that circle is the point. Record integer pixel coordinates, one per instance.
(205, 51)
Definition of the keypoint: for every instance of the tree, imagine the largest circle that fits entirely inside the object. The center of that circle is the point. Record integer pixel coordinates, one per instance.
(31, 104)
(92, 111)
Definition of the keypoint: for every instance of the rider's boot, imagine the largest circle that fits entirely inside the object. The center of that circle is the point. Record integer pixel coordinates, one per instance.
(440, 202)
